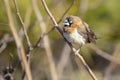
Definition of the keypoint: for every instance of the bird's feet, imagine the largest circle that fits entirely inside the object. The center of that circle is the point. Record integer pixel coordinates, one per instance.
(77, 51)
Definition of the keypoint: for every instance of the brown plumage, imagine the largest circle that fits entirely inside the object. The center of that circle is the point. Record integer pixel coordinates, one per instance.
(74, 29)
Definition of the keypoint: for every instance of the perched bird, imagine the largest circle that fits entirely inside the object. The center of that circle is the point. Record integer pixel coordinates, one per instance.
(77, 31)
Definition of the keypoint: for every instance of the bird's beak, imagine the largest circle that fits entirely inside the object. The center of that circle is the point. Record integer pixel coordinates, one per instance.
(66, 23)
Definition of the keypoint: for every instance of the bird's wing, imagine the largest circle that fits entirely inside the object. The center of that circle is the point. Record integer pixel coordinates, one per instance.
(87, 33)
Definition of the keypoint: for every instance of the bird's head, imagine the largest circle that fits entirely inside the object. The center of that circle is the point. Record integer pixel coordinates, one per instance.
(72, 20)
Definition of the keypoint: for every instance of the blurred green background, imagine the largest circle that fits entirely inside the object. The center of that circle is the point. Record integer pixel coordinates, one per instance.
(103, 17)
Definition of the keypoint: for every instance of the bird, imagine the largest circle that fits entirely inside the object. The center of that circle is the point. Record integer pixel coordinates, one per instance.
(76, 31)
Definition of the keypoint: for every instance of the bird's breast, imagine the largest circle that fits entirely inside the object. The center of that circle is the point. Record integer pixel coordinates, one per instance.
(75, 37)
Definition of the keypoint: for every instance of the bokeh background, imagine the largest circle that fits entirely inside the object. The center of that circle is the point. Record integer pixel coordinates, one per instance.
(103, 17)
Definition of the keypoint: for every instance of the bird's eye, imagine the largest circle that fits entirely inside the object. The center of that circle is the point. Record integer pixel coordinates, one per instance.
(70, 21)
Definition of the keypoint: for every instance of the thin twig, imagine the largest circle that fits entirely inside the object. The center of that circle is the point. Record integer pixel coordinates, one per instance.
(63, 60)
(3, 42)
(23, 25)
(112, 65)
(25, 33)
(46, 41)
(21, 52)
(46, 33)
(2, 48)
(73, 49)
(38, 43)
(86, 66)
(103, 54)
(73, 1)
(61, 17)
(66, 11)
(26, 22)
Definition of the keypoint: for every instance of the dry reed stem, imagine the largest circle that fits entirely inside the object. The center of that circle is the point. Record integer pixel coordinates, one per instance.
(46, 41)
(21, 52)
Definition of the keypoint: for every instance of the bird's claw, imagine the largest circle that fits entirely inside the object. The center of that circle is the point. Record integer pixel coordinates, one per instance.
(77, 51)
